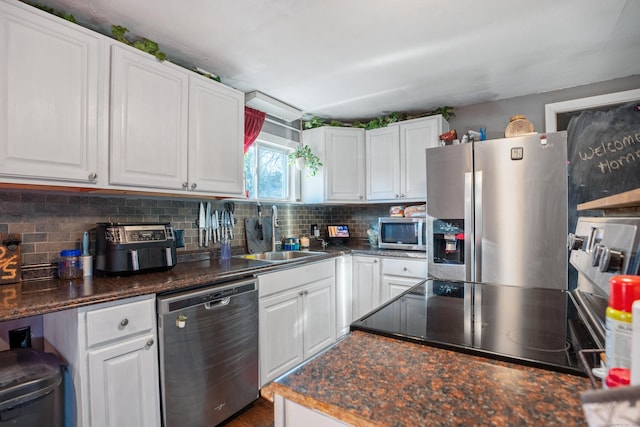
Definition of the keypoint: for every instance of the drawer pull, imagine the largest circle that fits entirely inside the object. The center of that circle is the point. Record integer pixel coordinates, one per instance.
(124, 322)
(150, 342)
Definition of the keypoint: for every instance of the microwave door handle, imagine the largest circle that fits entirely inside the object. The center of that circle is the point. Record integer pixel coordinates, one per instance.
(469, 246)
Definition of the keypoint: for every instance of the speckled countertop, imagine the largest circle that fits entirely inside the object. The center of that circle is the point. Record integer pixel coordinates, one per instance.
(29, 298)
(369, 380)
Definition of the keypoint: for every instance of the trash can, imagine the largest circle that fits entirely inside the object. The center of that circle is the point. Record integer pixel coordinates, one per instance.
(31, 389)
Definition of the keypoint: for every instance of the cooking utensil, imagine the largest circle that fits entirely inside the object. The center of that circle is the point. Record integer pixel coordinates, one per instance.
(201, 224)
(259, 223)
(207, 225)
(216, 225)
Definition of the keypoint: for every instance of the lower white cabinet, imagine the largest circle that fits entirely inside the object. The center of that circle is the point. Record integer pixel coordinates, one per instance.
(111, 350)
(290, 414)
(400, 274)
(344, 296)
(366, 285)
(297, 316)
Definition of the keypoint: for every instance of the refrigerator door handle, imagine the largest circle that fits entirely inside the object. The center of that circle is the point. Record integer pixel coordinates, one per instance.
(477, 182)
(469, 264)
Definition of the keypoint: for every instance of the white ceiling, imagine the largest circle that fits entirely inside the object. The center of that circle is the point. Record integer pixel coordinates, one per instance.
(349, 59)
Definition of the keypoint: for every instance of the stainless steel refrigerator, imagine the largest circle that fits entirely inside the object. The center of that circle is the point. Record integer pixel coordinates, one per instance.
(497, 211)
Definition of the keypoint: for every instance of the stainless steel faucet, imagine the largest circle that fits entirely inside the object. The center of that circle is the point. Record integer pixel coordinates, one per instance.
(274, 225)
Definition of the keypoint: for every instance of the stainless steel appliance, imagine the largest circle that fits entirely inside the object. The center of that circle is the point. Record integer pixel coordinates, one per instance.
(132, 247)
(208, 353)
(602, 247)
(497, 211)
(402, 233)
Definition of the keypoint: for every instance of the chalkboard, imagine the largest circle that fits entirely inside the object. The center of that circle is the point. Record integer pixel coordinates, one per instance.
(603, 149)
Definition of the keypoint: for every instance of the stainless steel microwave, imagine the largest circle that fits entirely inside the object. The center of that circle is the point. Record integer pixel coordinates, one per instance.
(402, 233)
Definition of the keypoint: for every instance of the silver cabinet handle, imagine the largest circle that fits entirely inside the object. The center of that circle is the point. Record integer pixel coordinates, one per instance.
(405, 269)
(193, 186)
(185, 185)
(361, 197)
(397, 196)
(150, 342)
(93, 176)
(124, 322)
(375, 261)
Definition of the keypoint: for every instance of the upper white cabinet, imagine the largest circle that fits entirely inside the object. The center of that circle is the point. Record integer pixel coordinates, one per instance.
(383, 163)
(396, 159)
(216, 135)
(149, 121)
(52, 86)
(342, 178)
(172, 129)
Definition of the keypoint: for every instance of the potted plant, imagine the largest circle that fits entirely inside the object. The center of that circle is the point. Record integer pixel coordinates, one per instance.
(302, 157)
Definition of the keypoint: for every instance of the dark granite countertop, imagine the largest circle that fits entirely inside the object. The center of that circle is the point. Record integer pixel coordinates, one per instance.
(369, 380)
(30, 298)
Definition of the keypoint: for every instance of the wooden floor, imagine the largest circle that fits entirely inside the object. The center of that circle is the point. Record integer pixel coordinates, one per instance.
(258, 414)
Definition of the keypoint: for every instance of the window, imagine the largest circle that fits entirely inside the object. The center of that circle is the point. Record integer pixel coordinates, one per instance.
(266, 171)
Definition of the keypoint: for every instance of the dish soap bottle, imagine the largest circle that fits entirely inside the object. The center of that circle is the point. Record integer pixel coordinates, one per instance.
(623, 291)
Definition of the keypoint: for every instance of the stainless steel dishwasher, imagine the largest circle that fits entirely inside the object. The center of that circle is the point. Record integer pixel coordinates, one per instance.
(208, 353)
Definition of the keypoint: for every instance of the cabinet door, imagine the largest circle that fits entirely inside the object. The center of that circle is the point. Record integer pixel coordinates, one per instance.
(383, 164)
(319, 316)
(148, 146)
(344, 275)
(415, 138)
(366, 285)
(281, 334)
(392, 286)
(124, 384)
(216, 135)
(50, 80)
(345, 180)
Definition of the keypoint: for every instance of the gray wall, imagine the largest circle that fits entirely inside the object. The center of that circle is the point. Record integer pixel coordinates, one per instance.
(495, 115)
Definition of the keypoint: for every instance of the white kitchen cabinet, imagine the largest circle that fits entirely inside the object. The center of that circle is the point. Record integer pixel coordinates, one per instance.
(344, 299)
(366, 285)
(111, 350)
(52, 101)
(297, 316)
(216, 135)
(400, 274)
(291, 414)
(149, 121)
(396, 159)
(383, 163)
(341, 179)
(172, 129)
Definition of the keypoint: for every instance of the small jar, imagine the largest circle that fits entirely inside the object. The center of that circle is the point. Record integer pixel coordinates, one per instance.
(70, 265)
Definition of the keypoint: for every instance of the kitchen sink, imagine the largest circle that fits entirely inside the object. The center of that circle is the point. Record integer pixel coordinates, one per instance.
(281, 256)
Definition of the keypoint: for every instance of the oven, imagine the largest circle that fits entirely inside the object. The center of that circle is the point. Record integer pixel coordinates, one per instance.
(600, 248)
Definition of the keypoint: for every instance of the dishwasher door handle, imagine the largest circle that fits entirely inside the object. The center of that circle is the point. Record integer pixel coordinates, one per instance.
(219, 303)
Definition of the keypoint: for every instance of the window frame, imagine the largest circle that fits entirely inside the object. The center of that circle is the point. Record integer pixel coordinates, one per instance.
(265, 139)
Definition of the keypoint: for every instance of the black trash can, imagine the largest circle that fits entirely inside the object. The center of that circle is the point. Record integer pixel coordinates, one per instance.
(31, 389)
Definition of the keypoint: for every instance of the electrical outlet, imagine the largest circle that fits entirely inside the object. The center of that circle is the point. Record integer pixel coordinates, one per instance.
(316, 232)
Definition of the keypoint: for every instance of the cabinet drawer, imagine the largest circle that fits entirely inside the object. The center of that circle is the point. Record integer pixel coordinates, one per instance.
(404, 267)
(284, 280)
(119, 321)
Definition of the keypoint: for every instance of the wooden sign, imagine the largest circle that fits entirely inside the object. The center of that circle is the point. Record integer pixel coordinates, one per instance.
(10, 259)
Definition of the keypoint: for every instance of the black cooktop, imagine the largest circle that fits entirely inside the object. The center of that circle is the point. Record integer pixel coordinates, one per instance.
(531, 326)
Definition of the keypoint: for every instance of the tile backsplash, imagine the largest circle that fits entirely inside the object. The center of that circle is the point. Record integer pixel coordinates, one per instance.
(50, 222)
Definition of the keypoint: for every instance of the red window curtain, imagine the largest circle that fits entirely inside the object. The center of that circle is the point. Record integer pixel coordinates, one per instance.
(253, 120)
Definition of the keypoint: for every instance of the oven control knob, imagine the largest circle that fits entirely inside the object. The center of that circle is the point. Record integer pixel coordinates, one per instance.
(574, 242)
(611, 260)
(596, 255)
